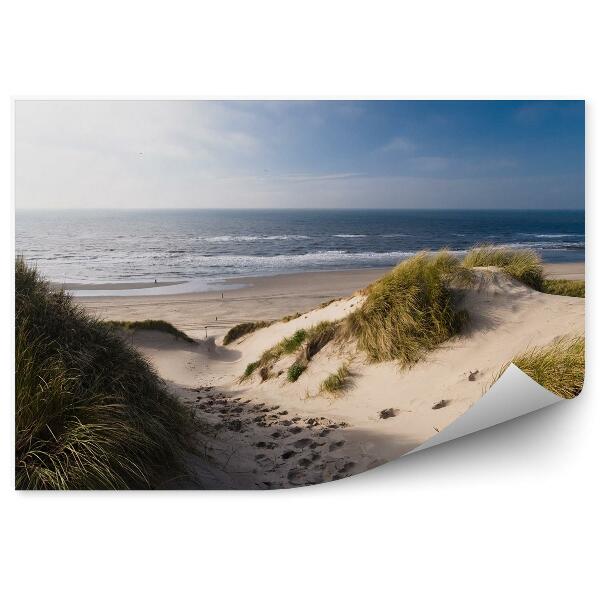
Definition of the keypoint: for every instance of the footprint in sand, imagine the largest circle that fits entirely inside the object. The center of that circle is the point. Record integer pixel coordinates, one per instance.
(302, 443)
(295, 430)
(336, 445)
(304, 462)
(288, 454)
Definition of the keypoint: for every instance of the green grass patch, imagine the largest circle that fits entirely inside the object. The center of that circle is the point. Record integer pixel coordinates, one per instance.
(564, 287)
(296, 370)
(90, 411)
(292, 343)
(559, 367)
(242, 329)
(336, 382)
(523, 265)
(250, 368)
(269, 357)
(410, 310)
(153, 325)
(306, 342)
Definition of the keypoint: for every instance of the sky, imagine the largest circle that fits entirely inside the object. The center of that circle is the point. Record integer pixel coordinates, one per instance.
(299, 154)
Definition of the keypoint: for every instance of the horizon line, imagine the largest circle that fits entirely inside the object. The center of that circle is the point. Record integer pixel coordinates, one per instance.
(264, 209)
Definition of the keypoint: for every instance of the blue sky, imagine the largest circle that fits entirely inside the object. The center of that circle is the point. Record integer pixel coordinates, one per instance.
(304, 154)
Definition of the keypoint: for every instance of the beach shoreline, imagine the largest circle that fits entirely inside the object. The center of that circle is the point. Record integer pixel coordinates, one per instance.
(554, 270)
(254, 298)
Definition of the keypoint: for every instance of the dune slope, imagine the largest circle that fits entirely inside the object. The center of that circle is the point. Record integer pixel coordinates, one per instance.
(277, 433)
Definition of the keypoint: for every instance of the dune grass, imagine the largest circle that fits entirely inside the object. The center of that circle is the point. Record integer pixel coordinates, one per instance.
(523, 265)
(153, 325)
(268, 358)
(90, 411)
(242, 329)
(410, 310)
(559, 367)
(307, 342)
(295, 370)
(564, 287)
(291, 317)
(337, 382)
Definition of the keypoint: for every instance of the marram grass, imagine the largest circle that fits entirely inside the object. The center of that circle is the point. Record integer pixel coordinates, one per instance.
(243, 329)
(90, 411)
(337, 382)
(411, 310)
(153, 325)
(559, 366)
(307, 342)
(295, 370)
(523, 265)
(564, 287)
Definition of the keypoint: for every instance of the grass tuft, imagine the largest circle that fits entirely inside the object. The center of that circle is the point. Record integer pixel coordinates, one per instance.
(336, 382)
(410, 310)
(153, 325)
(523, 265)
(242, 329)
(250, 368)
(559, 367)
(305, 341)
(291, 317)
(269, 357)
(564, 287)
(296, 370)
(90, 411)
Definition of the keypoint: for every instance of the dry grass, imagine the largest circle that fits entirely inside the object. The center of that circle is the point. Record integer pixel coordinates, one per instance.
(291, 317)
(242, 329)
(564, 287)
(90, 411)
(523, 265)
(337, 382)
(153, 325)
(411, 310)
(559, 367)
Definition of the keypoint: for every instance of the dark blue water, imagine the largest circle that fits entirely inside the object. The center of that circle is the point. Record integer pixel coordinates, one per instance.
(114, 246)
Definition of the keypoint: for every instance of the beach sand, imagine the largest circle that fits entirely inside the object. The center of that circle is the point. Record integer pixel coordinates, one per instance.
(278, 434)
(204, 314)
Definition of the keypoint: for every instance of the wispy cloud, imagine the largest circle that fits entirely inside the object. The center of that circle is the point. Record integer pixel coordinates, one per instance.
(398, 145)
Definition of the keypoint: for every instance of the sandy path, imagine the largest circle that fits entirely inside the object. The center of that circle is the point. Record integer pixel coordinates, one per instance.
(280, 434)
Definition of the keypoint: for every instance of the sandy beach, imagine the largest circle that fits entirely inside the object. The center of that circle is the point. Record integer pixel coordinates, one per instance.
(263, 298)
(275, 434)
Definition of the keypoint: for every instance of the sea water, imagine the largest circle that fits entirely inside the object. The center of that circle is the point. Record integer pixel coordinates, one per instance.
(208, 245)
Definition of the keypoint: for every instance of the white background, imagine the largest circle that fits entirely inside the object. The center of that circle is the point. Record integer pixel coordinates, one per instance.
(507, 513)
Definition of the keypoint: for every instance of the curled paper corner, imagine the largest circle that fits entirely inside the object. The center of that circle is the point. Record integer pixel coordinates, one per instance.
(513, 395)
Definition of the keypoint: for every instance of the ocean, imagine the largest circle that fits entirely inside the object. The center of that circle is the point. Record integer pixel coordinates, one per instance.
(209, 245)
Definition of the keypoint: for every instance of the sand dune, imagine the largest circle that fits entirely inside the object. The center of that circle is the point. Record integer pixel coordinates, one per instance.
(279, 434)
